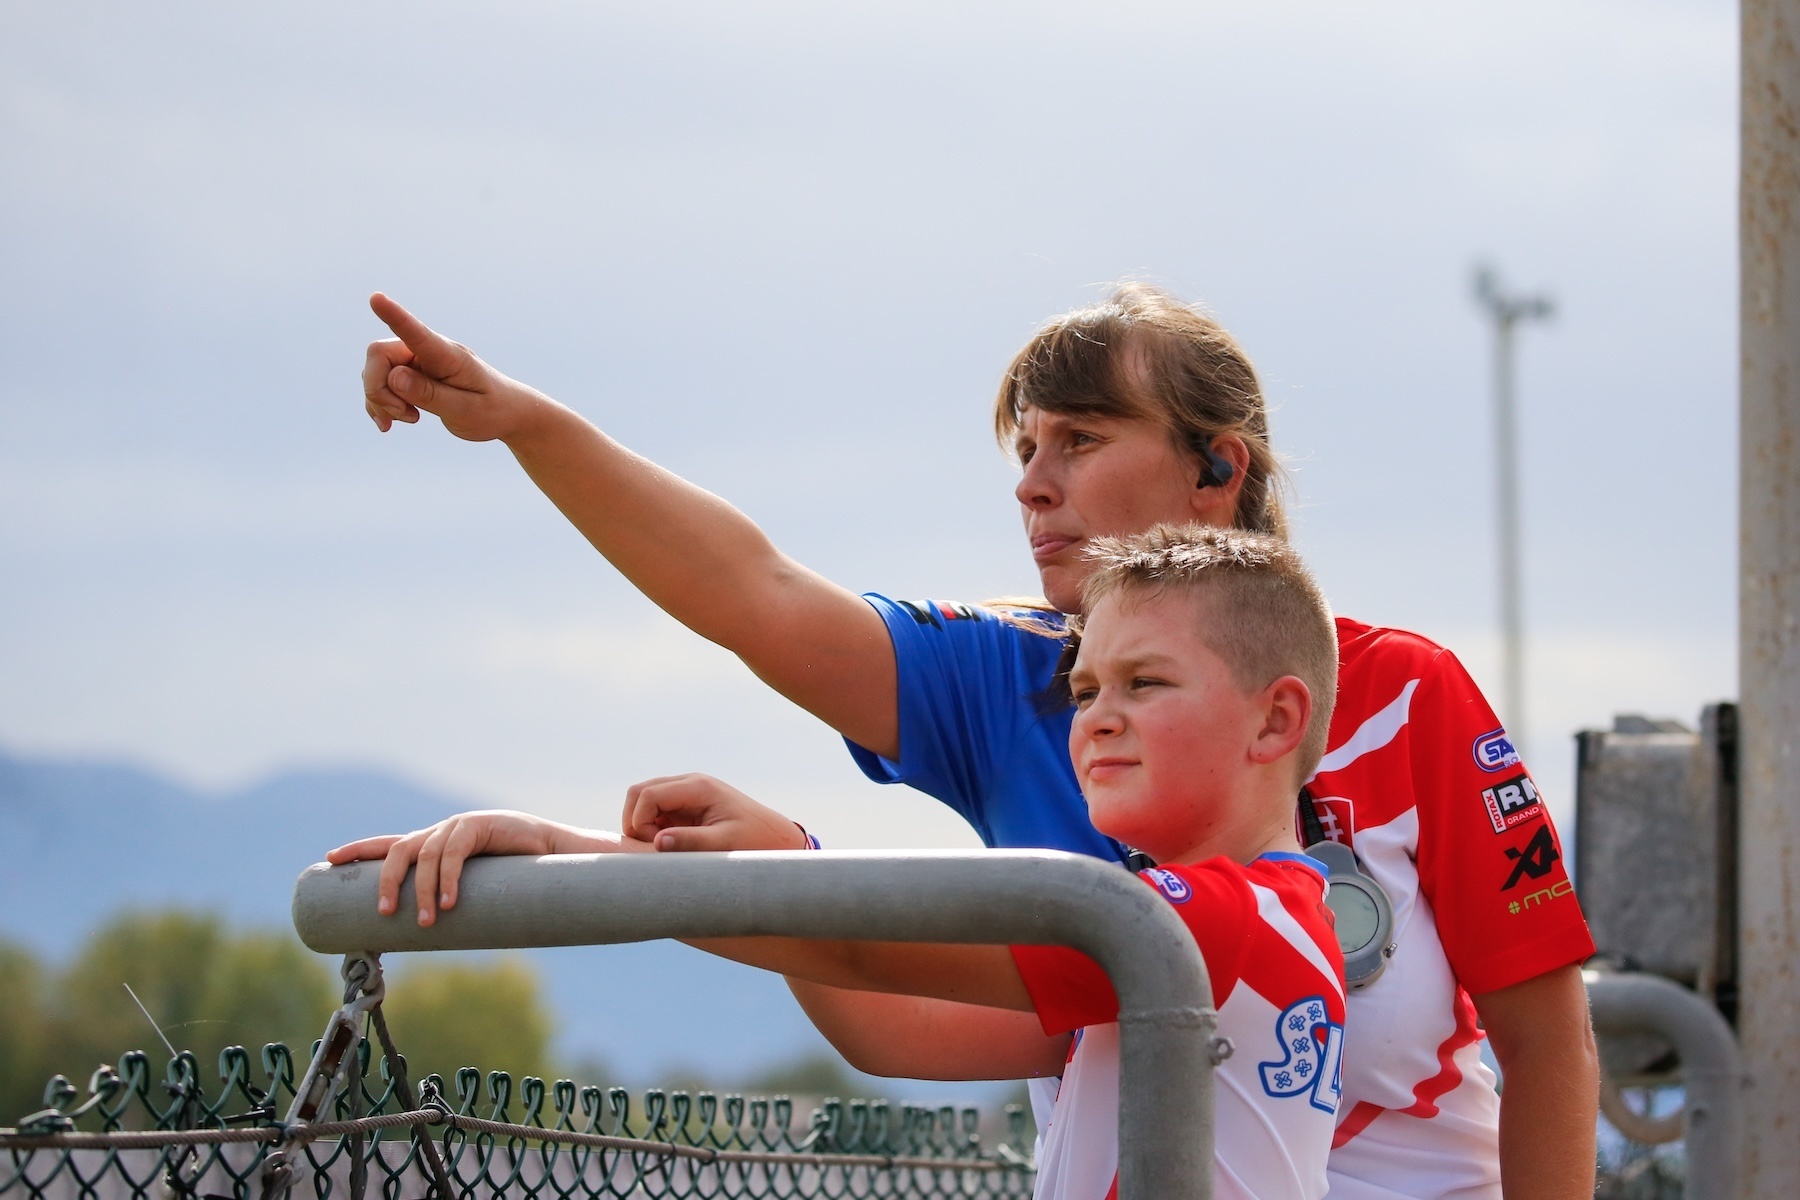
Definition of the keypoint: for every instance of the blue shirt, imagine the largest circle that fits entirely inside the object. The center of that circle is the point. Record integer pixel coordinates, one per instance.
(977, 728)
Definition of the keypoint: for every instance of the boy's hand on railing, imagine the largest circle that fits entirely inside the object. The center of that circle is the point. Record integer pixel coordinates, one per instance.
(440, 850)
(422, 369)
(698, 812)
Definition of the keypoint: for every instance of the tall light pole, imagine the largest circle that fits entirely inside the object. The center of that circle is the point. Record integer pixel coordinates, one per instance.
(1507, 310)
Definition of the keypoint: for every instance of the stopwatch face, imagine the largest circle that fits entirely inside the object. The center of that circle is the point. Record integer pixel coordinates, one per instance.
(1357, 918)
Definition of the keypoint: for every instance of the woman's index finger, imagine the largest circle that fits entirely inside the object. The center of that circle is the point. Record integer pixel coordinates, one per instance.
(434, 353)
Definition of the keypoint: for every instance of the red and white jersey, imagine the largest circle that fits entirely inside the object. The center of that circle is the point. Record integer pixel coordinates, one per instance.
(1277, 980)
(1421, 780)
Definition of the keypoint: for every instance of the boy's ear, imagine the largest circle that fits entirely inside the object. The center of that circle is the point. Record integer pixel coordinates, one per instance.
(1286, 711)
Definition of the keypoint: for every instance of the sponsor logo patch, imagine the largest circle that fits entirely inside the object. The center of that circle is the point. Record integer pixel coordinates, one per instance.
(928, 613)
(1541, 896)
(1534, 860)
(1512, 803)
(1495, 751)
(1170, 884)
(1337, 817)
(1311, 1049)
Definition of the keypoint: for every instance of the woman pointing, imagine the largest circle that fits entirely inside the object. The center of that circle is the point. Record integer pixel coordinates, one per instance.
(1130, 413)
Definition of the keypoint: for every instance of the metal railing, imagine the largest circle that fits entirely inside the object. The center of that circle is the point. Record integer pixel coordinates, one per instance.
(575, 1143)
(1635, 1005)
(1167, 1047)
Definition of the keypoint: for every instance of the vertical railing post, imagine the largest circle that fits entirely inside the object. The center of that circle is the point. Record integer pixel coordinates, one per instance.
(1769, 598)
(1711, 1070)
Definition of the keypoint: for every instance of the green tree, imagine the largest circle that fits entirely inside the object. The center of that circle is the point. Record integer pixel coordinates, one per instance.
(23, 1033)
(209, 987)
(267, 987)
(483, 1013)
(205, 986)
(164, 958)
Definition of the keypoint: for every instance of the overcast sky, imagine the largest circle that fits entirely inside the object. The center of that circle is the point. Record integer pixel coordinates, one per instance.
(785, 249)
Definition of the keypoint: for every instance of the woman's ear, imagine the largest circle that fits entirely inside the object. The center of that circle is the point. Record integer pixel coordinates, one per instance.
(1286, 712)
(1217, 504)
(1235, 451)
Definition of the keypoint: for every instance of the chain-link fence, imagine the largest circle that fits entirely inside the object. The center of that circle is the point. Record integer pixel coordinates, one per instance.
(136, 1137)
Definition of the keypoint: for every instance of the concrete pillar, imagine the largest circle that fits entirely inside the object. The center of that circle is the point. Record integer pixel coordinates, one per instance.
(1769, 599)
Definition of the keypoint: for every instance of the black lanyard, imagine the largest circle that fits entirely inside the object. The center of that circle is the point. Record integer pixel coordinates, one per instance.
(1310, 824)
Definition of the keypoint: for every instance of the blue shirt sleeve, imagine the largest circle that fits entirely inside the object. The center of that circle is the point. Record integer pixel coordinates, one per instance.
(967, 682)
(977, 728)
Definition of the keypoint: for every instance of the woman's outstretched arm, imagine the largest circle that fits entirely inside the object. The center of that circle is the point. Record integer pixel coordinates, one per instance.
(698, 558)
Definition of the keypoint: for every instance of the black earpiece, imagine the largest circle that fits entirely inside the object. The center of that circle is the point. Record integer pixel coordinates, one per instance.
(1215, 469)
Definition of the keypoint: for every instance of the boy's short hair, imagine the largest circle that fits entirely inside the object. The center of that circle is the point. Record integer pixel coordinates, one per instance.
(1266, 615)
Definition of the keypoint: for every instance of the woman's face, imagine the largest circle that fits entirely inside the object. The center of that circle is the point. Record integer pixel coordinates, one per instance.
(1091, 476)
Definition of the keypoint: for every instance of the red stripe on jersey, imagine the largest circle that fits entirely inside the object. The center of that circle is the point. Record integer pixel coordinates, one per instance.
(1425, 1096)
(1356, 1122)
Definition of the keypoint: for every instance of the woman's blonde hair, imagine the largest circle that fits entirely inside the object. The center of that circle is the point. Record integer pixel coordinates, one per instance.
(1142, 353)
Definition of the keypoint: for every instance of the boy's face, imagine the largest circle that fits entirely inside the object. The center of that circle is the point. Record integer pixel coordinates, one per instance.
(1162, 731)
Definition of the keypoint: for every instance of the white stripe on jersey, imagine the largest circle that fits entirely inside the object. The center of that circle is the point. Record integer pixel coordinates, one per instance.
(1270, 909)
(1372, 734)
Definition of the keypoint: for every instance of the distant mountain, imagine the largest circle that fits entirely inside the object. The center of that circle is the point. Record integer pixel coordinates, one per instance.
(84, 839)
(81, 840)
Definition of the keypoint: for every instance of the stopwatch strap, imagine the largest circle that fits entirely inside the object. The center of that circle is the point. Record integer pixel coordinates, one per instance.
(1309, 819)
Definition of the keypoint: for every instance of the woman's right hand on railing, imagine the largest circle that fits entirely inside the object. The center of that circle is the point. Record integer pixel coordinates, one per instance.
(698, 812)
(440, 850)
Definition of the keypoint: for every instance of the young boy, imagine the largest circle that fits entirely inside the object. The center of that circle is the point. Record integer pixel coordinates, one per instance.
(1203, 687)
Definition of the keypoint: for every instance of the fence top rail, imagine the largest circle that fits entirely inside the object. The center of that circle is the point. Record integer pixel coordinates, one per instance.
(12, 1140)
(976, 896)
(1043, 897)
